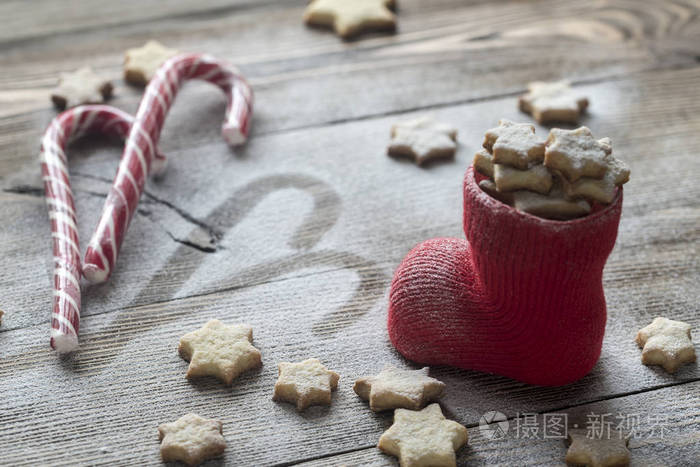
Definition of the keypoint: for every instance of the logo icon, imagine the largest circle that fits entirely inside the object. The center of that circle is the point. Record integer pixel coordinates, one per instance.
(493, 425)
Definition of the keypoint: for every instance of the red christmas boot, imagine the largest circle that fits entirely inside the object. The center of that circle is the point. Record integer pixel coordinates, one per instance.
(522, 297)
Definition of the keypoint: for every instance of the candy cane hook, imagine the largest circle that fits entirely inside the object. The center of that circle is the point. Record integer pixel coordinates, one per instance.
(101, 254)
(65, 128)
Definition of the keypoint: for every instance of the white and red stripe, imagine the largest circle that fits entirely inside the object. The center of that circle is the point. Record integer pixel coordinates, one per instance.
(138, 158)
(65, 128)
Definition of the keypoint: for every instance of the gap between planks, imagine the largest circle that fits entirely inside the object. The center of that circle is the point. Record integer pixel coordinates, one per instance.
(508, 418)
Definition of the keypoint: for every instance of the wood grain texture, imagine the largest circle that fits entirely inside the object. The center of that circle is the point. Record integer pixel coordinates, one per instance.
(299, 232)
(666, 435)
(307, 77)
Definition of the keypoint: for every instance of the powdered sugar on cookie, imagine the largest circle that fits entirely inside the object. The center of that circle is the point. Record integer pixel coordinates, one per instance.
(537, 178)
(602, 190)
(395, 388)
(191, 439)
(514, 144)
(219, 350)
(551, 206)
(305, 383)
(552, 102)
(81, 87)
(483, 162)
(667, 343)
(423, 139)
(558, 179)
(422, 438)
(576, 153)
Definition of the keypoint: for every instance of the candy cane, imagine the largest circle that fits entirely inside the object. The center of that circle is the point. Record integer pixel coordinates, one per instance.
(65, 128)
(102, 251)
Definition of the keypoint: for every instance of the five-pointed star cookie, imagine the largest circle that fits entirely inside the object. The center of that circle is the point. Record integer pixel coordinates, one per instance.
(305, 383)
(191, 439)
(350, 18)
(536, 178)
(576, 153)
(423, 438)
(81, 87)
(394, 388)
(423, 139)
(552, 102)
(667, 343)
(219, 350)
(601, 190)
(514, 144)
(141, 63)
(597, 452)
(551, 206)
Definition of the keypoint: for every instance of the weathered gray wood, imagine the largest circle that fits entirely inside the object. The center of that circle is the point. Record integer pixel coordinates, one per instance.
(308, 222)
(47, 18)
(118, 402)
(278, 176)
(667, 434)
(307, 77)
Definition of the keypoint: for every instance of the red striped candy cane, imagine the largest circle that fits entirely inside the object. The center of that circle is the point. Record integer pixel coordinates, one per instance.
(65, 128)
(102, 251)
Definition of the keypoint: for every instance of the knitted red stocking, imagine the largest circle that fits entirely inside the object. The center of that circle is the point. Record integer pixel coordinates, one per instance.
(522, 298)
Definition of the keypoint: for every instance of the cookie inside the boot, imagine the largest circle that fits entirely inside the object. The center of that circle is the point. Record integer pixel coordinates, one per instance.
(567, 176)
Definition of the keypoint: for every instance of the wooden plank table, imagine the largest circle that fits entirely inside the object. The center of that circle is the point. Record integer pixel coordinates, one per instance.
(298, 233)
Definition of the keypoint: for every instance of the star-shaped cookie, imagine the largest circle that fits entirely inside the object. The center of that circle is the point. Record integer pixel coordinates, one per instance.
(81, 87)
(667, 343)
(191, 439)
(552, 102)
(350, 18)
(554, 205)
(601, 190)
(537, 178)
(514, 144)
(394, 388)
(489, 187)
(219, 350)
(423, 139)
(607, 451)
(423, 438)
(576, 153)
(141, 63)
(483, 162)
(305, 383)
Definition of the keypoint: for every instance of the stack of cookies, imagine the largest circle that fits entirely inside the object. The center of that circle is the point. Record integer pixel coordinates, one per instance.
(560, 178)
